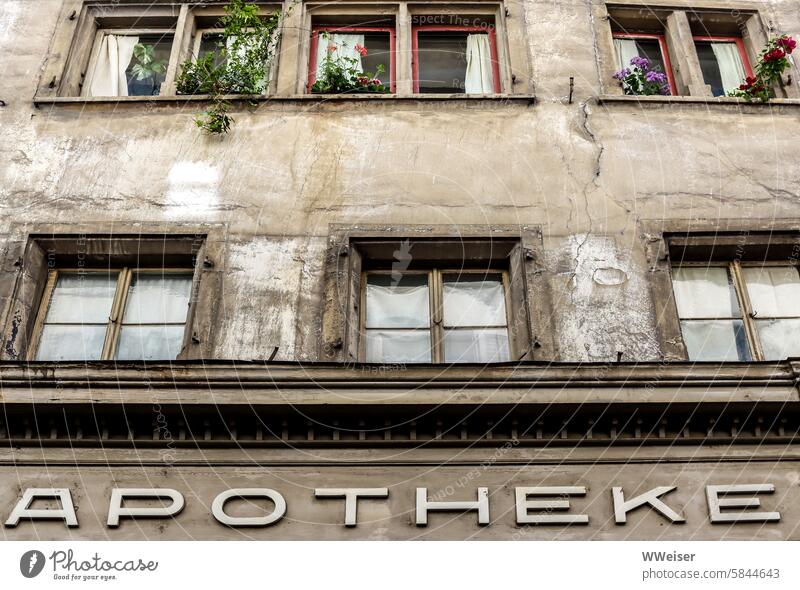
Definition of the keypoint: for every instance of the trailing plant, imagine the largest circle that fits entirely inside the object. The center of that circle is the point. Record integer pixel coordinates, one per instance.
(641, 79)
(246, 49)
(341, 74)
(772, 62)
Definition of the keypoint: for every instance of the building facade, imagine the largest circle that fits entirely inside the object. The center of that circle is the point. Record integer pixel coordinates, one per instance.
(501, 300)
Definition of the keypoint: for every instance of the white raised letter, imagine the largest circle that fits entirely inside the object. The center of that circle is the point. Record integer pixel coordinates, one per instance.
(524, 505)
(218, 507)
(424, 505)
(23, 510)
(621, 507)
(715, 503)
(351, 496)
(119, 495)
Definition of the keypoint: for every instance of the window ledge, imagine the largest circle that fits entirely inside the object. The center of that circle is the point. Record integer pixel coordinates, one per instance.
(301, 98)
(701, 100)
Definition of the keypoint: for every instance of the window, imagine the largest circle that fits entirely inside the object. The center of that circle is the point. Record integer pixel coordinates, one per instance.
(723, 62)
(436, 316)
(455, 59)
(343, 41)
(130, 62)
(739, 311)
(650, 46)
(123, 314)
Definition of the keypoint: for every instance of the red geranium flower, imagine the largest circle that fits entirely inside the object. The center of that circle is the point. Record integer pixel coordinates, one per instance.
(361, 49)
(787, 43)
(775, 55)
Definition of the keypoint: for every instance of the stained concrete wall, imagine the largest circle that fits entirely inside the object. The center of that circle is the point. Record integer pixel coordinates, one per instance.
(589, 173)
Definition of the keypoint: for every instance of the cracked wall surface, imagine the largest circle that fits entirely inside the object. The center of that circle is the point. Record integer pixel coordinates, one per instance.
(588, 173)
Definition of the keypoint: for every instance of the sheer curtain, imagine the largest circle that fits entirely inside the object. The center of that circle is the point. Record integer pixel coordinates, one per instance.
(479, 78)
(345, 47)
(626, 51)
(730, 65)
(116, 52)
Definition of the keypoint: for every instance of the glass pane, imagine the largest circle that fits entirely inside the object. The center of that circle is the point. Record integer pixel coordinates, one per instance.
(398, 346)
(442, 61)
(651, 49)
(398, 301)
(71, 343)
(378, 53)
(476, 346)
(716, 340)
(157, 298)
(780, 339)
(774, 291)
(149, 342)
(82, 298)
(212, 43)
(721, 65)
(477, 301)
(148, 67)
(704, 292)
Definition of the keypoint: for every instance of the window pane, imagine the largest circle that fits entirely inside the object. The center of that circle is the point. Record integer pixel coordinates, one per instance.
(149, 342)
(397, 301)
(212, 43)
(477, 301)
(721, 65)
(715, 340)
(780, 339)
(476, 346)
(71, 343)
(774, 291)
(651, 49)
(704, 292)
(378, 53)
(398, 346)
(442, 61)
(82, 298)
(148, 67)
(158, 298)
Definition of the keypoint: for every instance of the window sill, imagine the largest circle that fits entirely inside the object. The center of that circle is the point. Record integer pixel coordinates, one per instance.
(294, 98)
(695, 100)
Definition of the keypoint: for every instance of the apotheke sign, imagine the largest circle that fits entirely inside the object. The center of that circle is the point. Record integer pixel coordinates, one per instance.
(538, 505)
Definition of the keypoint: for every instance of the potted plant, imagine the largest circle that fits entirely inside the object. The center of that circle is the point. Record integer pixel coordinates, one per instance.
(147, 73)
(772, 63)
(341, 74)
(642, 79)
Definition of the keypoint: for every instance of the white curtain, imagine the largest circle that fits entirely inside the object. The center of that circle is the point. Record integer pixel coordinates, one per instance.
(626, 51)
(479, 78)
(730, 65)
(345, 47)
(116, 52)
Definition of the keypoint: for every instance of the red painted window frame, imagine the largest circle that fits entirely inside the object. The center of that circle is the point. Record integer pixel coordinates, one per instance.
(748, 70)
(457, 28)
(662, 43)
(315, 31)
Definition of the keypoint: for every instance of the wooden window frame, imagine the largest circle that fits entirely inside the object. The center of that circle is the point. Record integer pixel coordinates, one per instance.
(436, 308)
(662, 43)
(739, 45)
(491, 31)
(312, 58)
(119, 303)
(742, 297)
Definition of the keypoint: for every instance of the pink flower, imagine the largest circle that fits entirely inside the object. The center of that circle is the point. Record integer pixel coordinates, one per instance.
(787, 43)
(375, 82)
(331, 47)
(363, 80)
(361, 49)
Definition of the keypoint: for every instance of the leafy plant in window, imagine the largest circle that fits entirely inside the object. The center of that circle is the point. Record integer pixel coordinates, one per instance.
(772, 63)
(146, 67)
(246, 47)
(641, 79)
(341, 74)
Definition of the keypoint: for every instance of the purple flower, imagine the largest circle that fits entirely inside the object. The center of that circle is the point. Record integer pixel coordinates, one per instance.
(622, 74)
(655, 77)
(640, 62)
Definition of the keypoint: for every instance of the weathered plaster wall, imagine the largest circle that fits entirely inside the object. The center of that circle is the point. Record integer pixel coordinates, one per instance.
(588, 173)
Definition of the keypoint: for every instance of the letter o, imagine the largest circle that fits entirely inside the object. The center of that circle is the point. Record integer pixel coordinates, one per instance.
(218, 507)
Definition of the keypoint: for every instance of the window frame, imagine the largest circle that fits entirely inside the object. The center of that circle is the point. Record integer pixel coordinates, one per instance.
(119, 302)
(749, 320)
(748, 70)
(317, 29)
(662, 43)
(172, 64)
(491, 31)
(436, 326)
